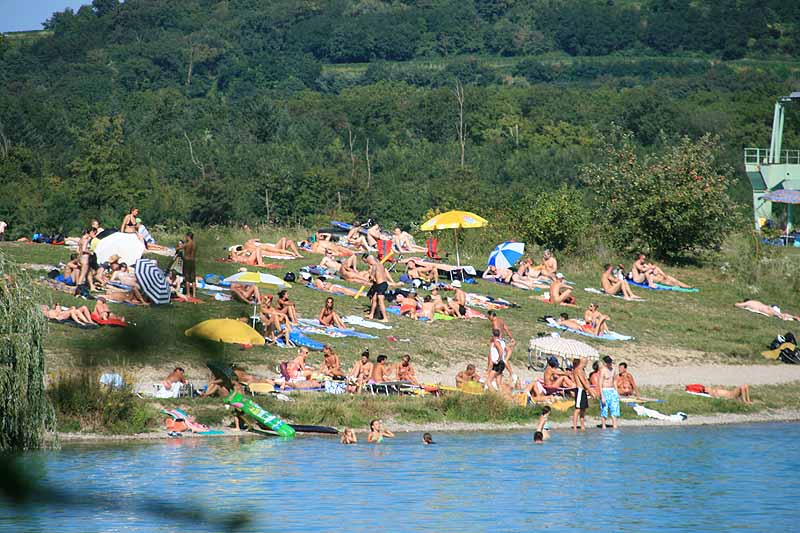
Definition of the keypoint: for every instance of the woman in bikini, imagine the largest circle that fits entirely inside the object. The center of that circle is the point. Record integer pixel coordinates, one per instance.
(377, 432)
(321, 284)
(273, 320)
(328, 317)
(408, 306)
(594, 321)
(286, 306)
(129, 222)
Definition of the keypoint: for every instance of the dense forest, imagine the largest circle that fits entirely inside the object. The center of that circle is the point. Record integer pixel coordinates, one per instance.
(209, 111)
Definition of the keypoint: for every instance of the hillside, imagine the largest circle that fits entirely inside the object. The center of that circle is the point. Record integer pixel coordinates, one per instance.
(203, 112)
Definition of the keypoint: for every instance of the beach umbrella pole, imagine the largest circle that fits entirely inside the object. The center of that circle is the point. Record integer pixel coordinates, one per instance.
(458, 257)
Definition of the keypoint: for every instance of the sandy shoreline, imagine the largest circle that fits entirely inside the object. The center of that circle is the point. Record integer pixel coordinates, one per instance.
(783, 415)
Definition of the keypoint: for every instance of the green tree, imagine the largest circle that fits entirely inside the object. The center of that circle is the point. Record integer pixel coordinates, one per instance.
(672, 202)
(554, 219)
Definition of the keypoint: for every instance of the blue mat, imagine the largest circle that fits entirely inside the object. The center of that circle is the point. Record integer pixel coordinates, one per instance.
(608, 336)
(345, 332)
(660, 287)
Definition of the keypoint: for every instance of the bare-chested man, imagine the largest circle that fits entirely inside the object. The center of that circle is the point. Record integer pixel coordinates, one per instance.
(380, 284)
(374, 235)
(549, 266)
(500, 325)
(421, 271)
(458, 305)
(764, 309)
(356, 239)
(349, 271)
(582, 394)
(609, 396)
(361, 371)
(741, 393)
(467, 375)
(560, 293)
(428, 308)
(380, 372)
(555, 378)
(403, 242)
(626, 385)
(642, 272)
(612, 285)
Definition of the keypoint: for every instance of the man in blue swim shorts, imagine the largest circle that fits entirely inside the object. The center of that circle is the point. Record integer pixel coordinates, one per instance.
(609, 396)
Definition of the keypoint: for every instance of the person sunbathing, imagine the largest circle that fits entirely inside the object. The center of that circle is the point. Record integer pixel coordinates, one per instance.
(405, 371)
(248, 294)
(361, 371)
(560, 293)
(124, 276)
(555, 378)
(642, 272)
(238, 254)
(549, 266)
(457, 307)
(428, 308)
(404, 242)
(595, 322)
(286, 306)
(503, 275)
(330, 363)
(374, 235)
(245, 378)
(329, 263)
(320, 284)
(275, 323)
(380, 373)
(72, 270)
(567, 322)
(80, 315)
(764, 309)
(320, 246)
(216, 387)
(626, 385)
(102, 311)
(741, 393)
(297, 368)
(284, 246)
(356, 240)
(467, 375)
(612, 285)
(422, 272)
(176, 378)
(408, 306)
(328, 317)
(349, 271)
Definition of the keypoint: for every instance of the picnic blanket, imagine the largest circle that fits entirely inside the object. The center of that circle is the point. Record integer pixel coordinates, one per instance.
(593, 290)
(607, 336)
(662, 287)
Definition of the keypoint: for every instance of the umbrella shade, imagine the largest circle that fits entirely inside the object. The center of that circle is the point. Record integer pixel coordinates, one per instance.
(257, 278)
(563, 347)
(454, 220)
(226, 330)
(127, 246)
(152, 281)
(506, 254)
(783, 196)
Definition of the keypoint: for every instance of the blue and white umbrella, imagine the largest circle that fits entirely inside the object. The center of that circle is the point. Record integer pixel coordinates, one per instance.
(152, 281)
(506, 254)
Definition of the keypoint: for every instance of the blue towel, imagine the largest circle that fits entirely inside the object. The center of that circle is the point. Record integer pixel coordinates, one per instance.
(607, 336)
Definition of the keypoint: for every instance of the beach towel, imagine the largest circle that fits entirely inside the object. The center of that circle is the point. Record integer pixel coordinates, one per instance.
(108, 322)
(652, 413)
(488, 302)
(337, 332)
(593, 290)
(607, 336)
(315, 288)
(661, 287)
(395, 310)
(355, 320)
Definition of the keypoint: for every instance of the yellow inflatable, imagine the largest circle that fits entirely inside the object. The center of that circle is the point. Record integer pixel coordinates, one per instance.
(226, 330)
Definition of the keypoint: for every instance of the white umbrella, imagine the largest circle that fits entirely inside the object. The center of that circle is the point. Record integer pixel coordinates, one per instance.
(562, 347)
(127, 246)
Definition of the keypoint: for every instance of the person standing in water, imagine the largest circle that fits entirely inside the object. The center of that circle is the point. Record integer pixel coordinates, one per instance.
(609, 397)
(189, 249)
(582, 394)
(377, 432)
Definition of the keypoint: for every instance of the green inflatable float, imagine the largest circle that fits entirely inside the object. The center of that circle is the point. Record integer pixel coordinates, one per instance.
(255, 413)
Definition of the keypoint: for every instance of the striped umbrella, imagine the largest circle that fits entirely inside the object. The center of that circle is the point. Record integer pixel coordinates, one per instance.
(152, 281)
(506, 254)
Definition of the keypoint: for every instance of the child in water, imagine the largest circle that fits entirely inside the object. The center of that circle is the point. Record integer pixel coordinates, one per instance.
(544, 423)
(349, 436)
(427, 438)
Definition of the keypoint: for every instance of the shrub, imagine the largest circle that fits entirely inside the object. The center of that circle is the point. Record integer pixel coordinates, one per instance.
(81, 402)
(553, 219)
(672, 202)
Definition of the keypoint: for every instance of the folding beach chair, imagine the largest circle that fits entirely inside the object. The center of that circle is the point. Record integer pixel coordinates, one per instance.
(432, 244)
(386, 254)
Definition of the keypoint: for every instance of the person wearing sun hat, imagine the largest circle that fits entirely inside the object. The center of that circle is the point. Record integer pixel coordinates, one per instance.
(458, 304)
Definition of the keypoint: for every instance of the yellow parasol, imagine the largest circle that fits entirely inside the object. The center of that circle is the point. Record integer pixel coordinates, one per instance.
(226, 330)
(454, 220)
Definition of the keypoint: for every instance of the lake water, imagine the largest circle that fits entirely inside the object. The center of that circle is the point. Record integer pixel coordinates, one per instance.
(692, 478)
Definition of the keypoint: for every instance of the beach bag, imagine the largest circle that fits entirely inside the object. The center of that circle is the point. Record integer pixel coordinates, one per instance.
(789, 356)
(776, 342)
(696, 388)
(790, 338)
(290, 277)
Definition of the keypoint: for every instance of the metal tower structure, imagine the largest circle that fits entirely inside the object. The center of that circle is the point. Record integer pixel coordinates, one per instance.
(772, 168)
